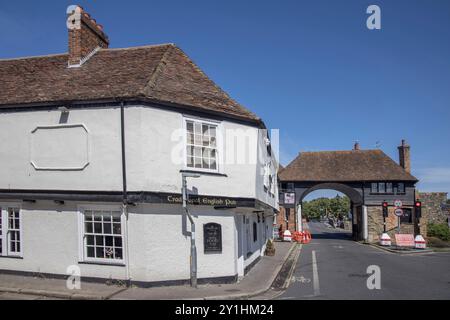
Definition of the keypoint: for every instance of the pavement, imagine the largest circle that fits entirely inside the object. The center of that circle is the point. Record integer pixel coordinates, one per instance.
(258, 280)
(332, 266)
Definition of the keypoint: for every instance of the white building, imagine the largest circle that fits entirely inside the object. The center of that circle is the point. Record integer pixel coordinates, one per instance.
(93, 146)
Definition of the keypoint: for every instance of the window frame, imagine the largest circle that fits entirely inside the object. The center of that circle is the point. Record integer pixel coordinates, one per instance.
(385, 192)
(5, 230)
(397, 188)
(82, 246)
(219, 145)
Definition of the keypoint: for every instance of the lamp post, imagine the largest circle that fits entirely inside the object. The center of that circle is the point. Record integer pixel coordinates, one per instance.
(193, 257)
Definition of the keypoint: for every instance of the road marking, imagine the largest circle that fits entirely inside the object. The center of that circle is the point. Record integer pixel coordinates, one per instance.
(316, 284)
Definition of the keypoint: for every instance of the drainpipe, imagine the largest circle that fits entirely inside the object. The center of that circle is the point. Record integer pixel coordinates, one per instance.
(193, 257)
(124, 191)
(124, 168)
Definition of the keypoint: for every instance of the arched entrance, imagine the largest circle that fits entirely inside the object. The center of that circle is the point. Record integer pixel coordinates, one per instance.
(356, 202)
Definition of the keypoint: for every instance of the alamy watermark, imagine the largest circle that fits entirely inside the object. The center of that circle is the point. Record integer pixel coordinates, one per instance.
(73, 282)
(374, 280)
(374, 20)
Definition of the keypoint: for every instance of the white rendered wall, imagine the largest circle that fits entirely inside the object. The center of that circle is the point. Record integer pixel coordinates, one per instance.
(21, 146)
(38, 153)
(158, 251)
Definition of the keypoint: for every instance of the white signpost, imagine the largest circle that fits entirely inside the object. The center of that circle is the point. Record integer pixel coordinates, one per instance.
(398, 212)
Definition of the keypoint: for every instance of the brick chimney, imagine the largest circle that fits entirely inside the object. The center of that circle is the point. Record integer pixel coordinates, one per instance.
(86, 36)
(356, 147)
(404, 156)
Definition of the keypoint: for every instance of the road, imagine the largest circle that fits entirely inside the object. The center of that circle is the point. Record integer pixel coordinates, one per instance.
(332, 266)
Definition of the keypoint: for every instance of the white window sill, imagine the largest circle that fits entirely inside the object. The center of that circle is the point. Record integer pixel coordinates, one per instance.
(104, 263)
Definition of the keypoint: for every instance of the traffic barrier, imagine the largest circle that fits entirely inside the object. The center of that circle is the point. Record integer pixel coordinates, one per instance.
(297, 236)
(385, 240)
(306, 237)
(287, 236)
(419, 242)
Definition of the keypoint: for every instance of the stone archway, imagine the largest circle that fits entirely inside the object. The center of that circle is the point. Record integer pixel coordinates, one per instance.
(359, 219)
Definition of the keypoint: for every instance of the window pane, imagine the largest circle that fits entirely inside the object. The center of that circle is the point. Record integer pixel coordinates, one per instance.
(389, 188)
(118, 254)
(90, 240)
(212, 131)
(99, 252)
(117, 228)
(198, 128)
(99, 240)
(107, 228)
(382, 187)
(90, 252)
(109, 253)
(213, 165)
(117, 242)
(190, 162)
(374, 187)
(400, 187)
(88, 227)
(190, 126)
(109, 241)
(213, 142)
(98, 227)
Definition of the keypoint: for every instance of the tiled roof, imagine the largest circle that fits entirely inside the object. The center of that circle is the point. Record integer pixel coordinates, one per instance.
(161, 73)
(346, 166)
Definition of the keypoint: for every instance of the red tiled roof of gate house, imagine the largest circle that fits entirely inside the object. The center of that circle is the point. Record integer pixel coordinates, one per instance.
(355, 165)
(162, 73)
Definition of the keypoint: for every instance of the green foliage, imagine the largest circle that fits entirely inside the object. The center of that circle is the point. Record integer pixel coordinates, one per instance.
(336, 207)
(439, 230)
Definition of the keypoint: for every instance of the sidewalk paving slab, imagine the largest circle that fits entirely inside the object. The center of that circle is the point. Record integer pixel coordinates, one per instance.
(258, 280)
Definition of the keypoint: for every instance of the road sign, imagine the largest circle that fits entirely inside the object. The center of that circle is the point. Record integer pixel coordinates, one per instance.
(398, 203)
(398, 212)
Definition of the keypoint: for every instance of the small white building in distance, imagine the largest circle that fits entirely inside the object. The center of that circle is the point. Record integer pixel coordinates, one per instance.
(94, 144)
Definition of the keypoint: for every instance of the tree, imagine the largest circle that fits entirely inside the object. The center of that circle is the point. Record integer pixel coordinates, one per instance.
(337, 207)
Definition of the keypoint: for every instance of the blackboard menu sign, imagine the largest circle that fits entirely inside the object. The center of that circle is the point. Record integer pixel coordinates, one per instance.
(212, 237)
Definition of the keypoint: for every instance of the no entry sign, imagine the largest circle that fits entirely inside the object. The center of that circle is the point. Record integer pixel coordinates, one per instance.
(398, 212)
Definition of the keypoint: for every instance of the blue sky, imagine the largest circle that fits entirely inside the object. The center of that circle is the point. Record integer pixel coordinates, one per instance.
(310, 68)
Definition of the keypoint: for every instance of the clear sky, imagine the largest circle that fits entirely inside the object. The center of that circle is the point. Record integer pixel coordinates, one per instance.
(310, 68)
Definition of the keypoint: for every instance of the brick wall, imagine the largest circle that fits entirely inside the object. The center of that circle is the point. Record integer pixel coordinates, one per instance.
(281, 219)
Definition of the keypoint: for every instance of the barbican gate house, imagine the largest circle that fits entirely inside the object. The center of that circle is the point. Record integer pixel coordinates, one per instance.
(88, 176)
(367, 177)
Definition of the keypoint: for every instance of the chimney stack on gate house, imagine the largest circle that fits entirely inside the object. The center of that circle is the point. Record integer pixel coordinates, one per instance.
(86, 36)
(404, 156)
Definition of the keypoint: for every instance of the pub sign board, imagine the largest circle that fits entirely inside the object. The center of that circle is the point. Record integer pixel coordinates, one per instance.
(212, 238)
